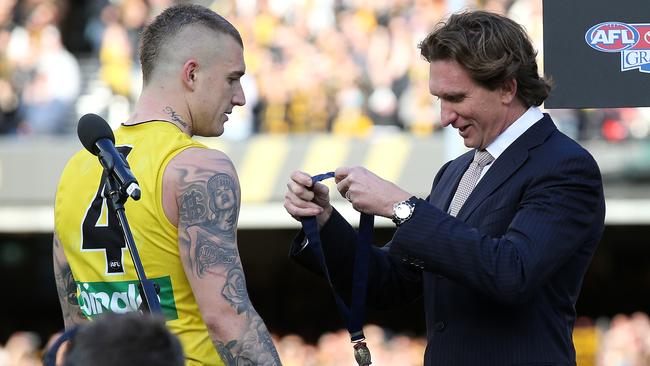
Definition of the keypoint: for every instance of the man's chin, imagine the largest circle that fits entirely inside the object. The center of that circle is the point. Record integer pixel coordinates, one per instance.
(216, 133)
(218, 129)
(471, 142)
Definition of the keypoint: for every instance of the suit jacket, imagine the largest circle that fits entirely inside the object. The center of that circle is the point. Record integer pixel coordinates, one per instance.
(500, 281)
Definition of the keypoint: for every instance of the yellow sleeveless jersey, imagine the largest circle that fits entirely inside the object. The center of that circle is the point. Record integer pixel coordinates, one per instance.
(94, 245)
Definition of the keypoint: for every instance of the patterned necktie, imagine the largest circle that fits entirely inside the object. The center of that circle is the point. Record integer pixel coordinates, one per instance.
(469, 179)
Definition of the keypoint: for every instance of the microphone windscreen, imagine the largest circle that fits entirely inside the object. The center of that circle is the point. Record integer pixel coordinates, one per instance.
(92, 128)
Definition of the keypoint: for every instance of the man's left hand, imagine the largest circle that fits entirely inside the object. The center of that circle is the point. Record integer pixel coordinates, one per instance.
(367, 192)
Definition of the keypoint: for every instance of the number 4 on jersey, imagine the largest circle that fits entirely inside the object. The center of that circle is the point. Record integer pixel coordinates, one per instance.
(101, 230)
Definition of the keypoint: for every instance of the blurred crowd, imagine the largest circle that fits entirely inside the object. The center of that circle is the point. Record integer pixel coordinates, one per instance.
(349, 67)
(39, 78)
(623, 341)
(627, 342)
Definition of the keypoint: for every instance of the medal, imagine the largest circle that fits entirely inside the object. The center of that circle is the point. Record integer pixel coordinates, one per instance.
(354, 315)
(362, 354)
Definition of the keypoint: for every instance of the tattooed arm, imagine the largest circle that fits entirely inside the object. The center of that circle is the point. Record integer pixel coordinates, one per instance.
(66, 287)
(201, 196)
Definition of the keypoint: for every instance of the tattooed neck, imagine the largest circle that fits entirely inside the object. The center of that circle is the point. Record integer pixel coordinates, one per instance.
(174, 116)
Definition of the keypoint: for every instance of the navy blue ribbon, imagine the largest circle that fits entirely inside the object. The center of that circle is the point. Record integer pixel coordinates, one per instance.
(353, 316)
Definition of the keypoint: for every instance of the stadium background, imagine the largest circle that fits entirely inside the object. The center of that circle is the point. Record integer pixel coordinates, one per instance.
(329, 83)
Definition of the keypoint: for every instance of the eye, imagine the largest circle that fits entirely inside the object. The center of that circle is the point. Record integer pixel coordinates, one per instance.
(234, 79)
(455, 98)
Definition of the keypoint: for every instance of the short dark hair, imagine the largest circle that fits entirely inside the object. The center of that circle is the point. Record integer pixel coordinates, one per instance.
(492, 48)
(131, 339)
(170, 22)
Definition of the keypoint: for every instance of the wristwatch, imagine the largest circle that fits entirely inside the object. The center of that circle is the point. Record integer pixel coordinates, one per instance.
(403, 210)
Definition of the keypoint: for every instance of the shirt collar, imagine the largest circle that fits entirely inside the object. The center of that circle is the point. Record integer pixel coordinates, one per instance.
(516, 129)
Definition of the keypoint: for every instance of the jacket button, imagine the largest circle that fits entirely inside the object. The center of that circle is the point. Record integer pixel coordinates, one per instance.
(440, 326)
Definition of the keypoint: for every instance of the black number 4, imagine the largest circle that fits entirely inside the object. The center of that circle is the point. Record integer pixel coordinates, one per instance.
(101, 230)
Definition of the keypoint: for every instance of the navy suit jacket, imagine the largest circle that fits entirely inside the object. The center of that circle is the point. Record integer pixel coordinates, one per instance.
(500, 281)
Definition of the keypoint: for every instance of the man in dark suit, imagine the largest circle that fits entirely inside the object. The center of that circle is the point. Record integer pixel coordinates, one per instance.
(500, 247)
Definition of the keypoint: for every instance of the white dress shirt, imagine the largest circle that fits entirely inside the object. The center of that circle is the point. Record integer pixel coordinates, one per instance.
(507, 137)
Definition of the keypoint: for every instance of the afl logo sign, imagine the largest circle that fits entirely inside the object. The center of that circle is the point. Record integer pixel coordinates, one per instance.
(632, 41)
(612, 37)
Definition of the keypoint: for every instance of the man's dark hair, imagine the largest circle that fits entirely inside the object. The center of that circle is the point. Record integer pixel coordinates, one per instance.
(130, 339)
(169, 23)
(492, 48)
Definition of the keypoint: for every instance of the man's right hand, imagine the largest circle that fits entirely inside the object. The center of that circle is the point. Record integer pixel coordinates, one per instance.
(303, 200)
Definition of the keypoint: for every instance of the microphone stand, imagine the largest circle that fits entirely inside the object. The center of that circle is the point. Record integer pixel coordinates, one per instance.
(148, 289)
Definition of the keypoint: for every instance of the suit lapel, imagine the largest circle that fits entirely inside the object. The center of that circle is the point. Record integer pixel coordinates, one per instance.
(507, 164)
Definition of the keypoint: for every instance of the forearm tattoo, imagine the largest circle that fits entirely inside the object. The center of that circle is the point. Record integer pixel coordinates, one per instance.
(208, 206)
(254, 347)
(66, 288)
(235, 291)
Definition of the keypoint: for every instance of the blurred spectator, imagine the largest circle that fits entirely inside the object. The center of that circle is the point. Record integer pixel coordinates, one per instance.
(22, 349)
(130, 339)
(627, 342)
(48, 99)
(116, 52)
(9, 98)
(40, 79)
(420, 112)
(122, 22)
(351, 119)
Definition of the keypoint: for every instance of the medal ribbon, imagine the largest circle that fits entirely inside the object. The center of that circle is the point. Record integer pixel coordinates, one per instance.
(353, 316)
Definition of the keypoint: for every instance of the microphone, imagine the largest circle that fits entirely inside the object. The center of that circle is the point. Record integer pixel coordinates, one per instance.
(97, 137)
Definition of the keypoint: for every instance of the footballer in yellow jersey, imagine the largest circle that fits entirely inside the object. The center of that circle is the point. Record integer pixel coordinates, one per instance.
(94, 244)
(185, 223)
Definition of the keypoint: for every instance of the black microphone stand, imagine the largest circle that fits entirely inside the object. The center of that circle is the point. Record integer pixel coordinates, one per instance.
(148, 289)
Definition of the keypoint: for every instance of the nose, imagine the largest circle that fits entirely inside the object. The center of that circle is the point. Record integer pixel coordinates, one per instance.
(238, 98)
(447, 114)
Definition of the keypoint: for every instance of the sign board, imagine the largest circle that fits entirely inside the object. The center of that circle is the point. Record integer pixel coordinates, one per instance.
(597, 52)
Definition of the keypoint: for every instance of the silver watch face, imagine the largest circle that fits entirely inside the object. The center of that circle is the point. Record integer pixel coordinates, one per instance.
(403, 211)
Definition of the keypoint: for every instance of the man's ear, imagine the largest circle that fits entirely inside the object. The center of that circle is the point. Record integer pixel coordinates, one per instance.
(190, 69)
(508, 90)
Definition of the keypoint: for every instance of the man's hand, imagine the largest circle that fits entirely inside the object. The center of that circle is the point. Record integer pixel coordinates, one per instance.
(303, 200)
(367, 192)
